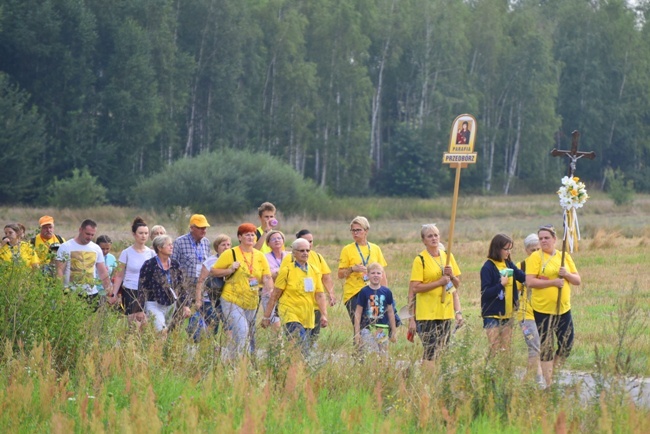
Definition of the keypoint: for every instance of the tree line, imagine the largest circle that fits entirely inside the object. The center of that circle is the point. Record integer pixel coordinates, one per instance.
(357, 95)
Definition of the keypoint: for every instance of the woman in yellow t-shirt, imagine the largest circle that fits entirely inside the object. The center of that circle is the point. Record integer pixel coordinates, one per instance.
(353, 263)
(247, 271)
(16, 251)
(550, 280)
(430, 276)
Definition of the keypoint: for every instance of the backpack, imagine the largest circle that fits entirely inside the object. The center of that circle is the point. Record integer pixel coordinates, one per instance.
(53, 246)
(214, 285)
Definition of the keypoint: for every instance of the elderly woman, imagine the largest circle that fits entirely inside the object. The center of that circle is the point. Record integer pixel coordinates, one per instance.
(275, 242)
(14, 250)
(208, 297)
(298, 289)
(317, 260)
(247, 270)
(127, 273)
(430, 317)
(499, 295)
(161, 281)
(526, 317)
(157, 230)
(353, 263)
(551, 282)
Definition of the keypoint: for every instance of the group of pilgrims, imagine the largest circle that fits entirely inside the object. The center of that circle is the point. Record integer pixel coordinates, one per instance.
(291, 290)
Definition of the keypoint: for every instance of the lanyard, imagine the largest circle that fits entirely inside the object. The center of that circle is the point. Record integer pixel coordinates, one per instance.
(306, 269)
(278, 263)
(199, 254)
(249, 264)
(547, 261)
(365, 261)
(439, 264)
(167, 272)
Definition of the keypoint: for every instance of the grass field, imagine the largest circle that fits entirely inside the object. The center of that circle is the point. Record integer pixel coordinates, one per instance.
(137, 383)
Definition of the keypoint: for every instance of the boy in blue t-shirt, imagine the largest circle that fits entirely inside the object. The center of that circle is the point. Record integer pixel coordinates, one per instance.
(374, 319)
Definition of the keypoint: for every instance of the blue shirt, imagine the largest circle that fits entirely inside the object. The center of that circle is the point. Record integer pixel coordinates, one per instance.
(190, 256)
(374, 304)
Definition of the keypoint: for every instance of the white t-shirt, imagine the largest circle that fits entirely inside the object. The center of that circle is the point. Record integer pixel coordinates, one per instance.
(133, 261)
(80, 262)
(208, 263)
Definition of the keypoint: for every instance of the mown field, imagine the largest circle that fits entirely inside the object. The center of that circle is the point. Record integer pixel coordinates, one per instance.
(115, 380)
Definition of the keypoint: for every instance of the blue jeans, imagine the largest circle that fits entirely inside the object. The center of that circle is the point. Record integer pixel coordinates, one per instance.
(299, 334)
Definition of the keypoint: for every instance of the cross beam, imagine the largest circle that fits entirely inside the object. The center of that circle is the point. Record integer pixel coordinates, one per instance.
(574, 155)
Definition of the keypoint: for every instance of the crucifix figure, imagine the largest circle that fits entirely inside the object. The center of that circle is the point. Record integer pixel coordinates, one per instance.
(574, 155)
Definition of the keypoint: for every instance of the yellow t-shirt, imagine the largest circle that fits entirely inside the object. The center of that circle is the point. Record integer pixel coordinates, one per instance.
(542, 265)
(296, 304)
(315, 260)
(265, 247)
(428, 305)
(350, 256)
(501, 265)
(22, 254)
(525, 311)
(238, 289)
(42, 248)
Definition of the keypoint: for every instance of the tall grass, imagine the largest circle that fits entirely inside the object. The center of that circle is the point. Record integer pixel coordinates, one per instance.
(113, 380)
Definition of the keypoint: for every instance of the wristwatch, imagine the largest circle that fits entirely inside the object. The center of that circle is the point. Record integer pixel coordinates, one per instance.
(459, 312)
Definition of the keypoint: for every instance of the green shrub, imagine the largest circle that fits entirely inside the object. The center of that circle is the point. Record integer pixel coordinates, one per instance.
(621, 191)
(82, 190)
(34, 309)
(229, 183)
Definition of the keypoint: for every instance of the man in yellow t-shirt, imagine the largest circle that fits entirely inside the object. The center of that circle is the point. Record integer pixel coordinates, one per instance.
(46, 243)
(266, 212)
(298, 289)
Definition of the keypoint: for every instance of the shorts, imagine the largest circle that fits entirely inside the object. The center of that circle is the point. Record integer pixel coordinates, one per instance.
(434, 334)
(491, 323)
(551, 328)
(133, 300)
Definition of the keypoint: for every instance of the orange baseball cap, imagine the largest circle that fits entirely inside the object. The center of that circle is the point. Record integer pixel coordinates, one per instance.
(46, 220)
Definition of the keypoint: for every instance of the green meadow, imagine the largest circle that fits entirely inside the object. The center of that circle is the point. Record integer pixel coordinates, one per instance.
(65, 370)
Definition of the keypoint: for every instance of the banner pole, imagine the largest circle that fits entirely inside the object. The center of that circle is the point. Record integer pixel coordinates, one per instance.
(454, 203)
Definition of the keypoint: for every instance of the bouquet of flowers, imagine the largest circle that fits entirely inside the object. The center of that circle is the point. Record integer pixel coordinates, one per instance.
(573, 195)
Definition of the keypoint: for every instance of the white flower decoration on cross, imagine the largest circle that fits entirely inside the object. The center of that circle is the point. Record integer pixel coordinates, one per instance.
(573, 195)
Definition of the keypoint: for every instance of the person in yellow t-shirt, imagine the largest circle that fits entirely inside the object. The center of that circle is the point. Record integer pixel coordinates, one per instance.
(499, 294)
(46, 243)
(526, 317)
(247, 270)
(353, 263)
(16, 251)
(266, 213)
(545, 274)
(298, 289)
(429, 316)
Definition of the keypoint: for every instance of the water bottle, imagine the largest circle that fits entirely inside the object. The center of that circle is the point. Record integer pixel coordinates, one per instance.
(273, 223)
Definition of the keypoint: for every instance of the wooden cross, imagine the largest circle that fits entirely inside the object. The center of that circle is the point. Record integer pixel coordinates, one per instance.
(574, 155)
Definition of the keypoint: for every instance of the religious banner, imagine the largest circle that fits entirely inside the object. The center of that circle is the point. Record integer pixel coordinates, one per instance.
(461, 153)
(461, 141)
